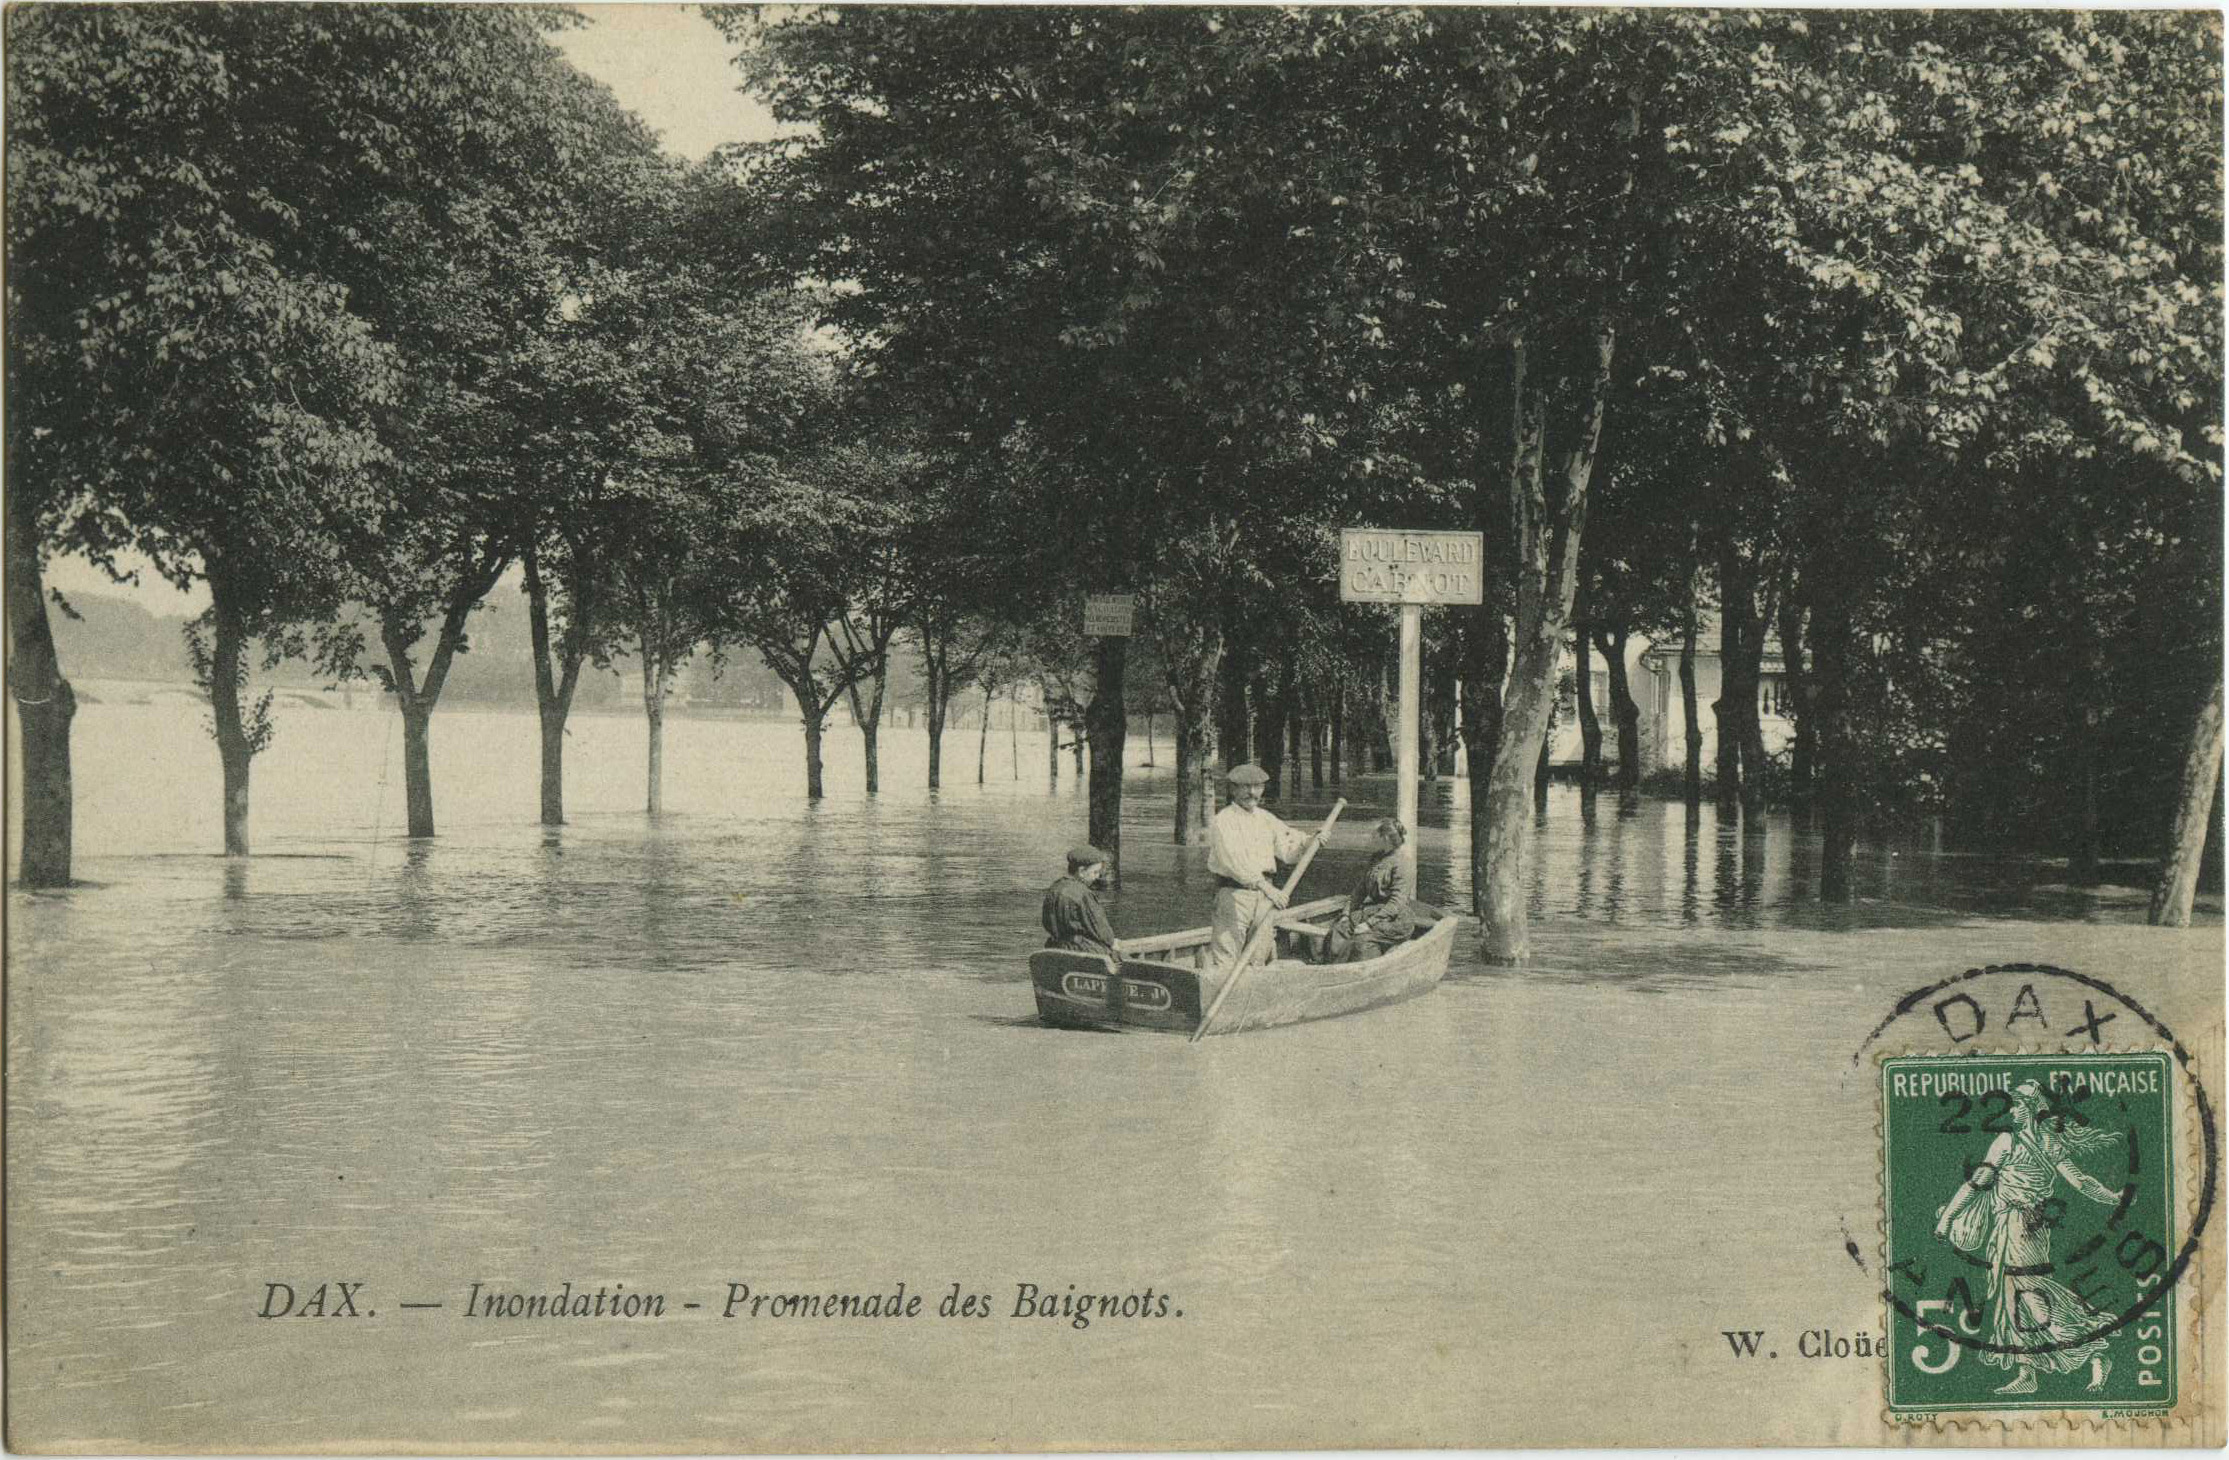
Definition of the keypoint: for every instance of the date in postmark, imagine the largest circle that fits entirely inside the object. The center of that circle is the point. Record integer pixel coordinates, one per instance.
(2032, 1236)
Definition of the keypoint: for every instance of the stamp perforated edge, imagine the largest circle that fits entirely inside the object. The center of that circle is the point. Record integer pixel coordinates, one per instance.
(2175, 1425)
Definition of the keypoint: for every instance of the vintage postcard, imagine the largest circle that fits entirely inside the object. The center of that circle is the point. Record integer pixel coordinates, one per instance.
(1033, 729)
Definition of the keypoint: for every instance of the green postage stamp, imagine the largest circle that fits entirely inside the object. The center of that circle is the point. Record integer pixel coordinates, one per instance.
(2032, 1240)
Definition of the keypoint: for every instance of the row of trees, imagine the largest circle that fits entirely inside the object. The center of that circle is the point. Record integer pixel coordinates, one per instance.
(1826, 309)
(1892, 337)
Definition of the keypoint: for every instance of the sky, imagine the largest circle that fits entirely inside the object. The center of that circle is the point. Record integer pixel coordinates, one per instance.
(665, 63)
(668, 65)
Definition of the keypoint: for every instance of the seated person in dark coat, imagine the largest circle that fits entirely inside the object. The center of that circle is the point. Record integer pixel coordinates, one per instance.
(1377, 915)
(1073, 918)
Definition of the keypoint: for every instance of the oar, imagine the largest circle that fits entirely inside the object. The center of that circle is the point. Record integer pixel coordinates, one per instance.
(1269, 924)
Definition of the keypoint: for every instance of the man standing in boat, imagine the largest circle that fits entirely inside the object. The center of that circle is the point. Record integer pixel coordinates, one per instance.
(1244, 846)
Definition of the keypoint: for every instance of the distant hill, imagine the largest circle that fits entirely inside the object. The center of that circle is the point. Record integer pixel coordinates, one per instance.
(114, 638)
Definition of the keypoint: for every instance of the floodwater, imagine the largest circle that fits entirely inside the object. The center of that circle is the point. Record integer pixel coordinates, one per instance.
(792, 1046)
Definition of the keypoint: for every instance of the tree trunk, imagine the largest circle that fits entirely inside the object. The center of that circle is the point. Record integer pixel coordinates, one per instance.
(1485, 664)
(417, 766)
(1339, 733)
(1751, 713)
(939, 708)
(1590, 723)
(1234, 716)
(867, 715)
(1293, 723)
(1692, 786)
(1625, 711)
(654, 690)
(1832, 631)
(2086, 713)
(1732, 614)
(983, 741)
(1269, 736)
(1548, 518)
(815, 720)
(2186, 842)
(1543, 774)
(1107, 721)
(44, 706)
(1315, 753)
(1796, 702)
(236, 745)
(1052, 746)
(553, 688)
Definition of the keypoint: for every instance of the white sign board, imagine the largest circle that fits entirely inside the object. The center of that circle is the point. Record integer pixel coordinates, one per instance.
(1393, 565)
(1107, 615)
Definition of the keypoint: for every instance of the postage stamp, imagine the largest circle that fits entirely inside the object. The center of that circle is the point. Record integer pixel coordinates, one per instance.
(2032, 1233)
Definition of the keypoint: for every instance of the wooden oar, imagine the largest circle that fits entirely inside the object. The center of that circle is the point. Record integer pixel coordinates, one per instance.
(1269, 924)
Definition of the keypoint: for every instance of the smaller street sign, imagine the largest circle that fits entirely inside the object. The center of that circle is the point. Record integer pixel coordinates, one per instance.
(1108, 615)
(1393, 565)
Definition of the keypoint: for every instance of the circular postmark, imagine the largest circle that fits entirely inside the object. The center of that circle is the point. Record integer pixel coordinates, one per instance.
(2030, 1182)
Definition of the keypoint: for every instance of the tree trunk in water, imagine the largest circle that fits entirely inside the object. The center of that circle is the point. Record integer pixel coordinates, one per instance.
(235, 743)
(1548, 514)
(1108, 723)
(1185, 754)
(983, 740)
(1796, 703)
(553, 689)
(2186, 845)
(417, 768)
(1732, 613)
(1543, 773)
(1625, 711)
(870, 735)
(940, 706)
(1692, 787)
(1831, 631)
(1052, 747)
(1590, 723)
(867, 715)
(815, 723)
(654, 715)
(1485, 664)
(44, 706)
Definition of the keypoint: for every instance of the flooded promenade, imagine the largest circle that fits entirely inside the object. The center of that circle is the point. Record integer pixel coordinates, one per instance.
(792, 1047)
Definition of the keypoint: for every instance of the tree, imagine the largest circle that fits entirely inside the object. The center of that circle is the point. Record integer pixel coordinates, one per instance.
(195, 374)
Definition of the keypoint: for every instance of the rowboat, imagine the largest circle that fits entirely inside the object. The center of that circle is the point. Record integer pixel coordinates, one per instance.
(1164, 982)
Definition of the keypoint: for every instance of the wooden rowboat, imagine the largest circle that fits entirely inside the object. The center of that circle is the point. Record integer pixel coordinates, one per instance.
(1163, 982)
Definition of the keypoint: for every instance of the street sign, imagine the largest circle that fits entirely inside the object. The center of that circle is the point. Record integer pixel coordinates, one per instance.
(1108, 615)
(1392, 565)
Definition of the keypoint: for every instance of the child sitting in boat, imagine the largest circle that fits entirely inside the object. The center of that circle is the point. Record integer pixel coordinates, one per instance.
(1377, 916)
(1073, 917)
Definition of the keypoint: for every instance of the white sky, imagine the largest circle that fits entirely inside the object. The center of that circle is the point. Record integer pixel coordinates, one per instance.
(668, 65)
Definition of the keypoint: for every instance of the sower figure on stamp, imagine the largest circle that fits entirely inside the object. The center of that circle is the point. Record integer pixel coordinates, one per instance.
(1244, 845)
(2006, 1209)
(1072, 915)
(1377, 913)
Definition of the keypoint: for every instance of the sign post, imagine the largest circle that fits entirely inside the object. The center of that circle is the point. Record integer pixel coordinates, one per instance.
(1412, 569)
